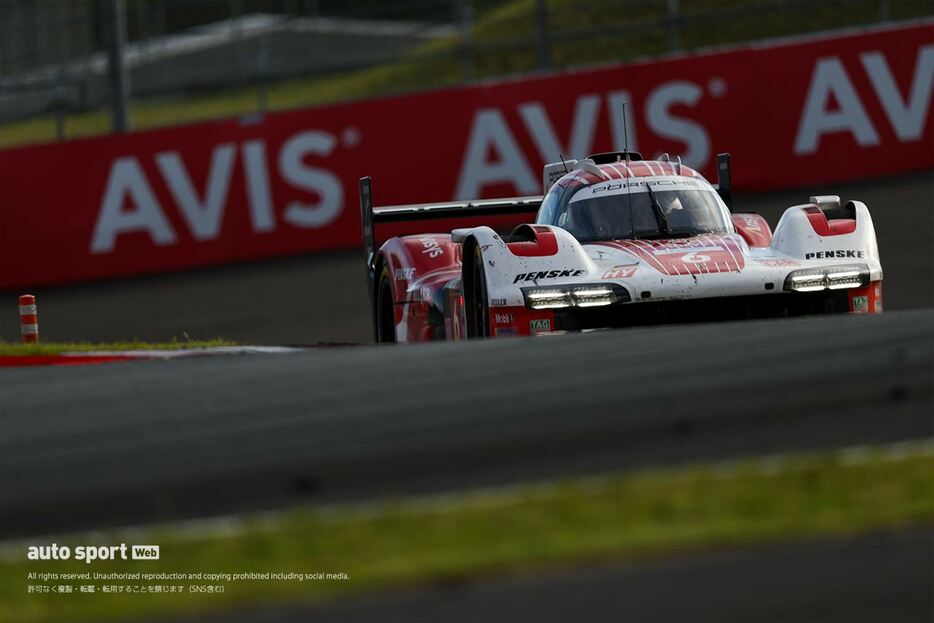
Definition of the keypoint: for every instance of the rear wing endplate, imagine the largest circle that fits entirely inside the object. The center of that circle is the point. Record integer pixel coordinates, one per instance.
(724, 185)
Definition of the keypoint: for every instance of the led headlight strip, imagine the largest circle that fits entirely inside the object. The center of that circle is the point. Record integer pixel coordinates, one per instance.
(584, 295)
(828, 278)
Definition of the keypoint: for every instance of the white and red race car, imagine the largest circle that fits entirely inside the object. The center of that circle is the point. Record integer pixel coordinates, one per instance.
(616, 241)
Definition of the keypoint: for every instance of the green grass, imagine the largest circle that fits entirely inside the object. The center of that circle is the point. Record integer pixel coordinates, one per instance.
(8, 349)
(397, 543)
(504, 44)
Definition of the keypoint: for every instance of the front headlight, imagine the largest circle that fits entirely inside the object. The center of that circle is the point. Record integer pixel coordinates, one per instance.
(828, 278)
(593, 296)
(547, 298)
(586, 295)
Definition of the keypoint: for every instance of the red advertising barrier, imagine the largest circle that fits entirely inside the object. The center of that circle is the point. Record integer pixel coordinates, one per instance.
(794, 112)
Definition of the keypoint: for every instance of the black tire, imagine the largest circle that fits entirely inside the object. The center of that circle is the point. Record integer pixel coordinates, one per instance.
(478, 312)
(385, 310)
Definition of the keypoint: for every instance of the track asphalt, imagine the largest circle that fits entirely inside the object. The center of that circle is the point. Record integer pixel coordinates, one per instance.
(207, 435)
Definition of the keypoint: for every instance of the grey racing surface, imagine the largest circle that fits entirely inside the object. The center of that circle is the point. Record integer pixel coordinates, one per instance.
(874, 578)
(322, 298)
(143, 441)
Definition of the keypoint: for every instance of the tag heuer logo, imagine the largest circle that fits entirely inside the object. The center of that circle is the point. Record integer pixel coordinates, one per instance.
(860, 304)
(539, 326)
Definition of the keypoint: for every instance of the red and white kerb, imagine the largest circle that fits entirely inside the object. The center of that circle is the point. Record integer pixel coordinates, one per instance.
(28, 319)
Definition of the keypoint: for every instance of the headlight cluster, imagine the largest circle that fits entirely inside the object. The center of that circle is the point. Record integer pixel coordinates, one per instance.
(828, 278)
(586, 295)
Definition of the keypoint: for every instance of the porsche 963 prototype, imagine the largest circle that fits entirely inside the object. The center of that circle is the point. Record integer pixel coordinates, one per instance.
(615, 241)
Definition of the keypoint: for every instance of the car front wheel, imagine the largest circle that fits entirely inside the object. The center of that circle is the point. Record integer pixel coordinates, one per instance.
(385, 310)
(479, 310)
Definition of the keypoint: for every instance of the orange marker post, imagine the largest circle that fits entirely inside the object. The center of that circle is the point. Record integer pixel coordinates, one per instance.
(28, 319)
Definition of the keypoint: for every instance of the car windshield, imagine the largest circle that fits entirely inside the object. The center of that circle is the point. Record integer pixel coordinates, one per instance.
(644, 210)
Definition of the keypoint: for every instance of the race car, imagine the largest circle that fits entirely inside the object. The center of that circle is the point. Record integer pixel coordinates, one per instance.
(616, 241)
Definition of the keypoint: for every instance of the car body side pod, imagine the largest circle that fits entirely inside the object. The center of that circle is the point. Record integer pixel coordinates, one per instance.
(370, 217)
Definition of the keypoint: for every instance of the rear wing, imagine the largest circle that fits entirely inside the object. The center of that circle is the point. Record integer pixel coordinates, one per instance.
(371, 217)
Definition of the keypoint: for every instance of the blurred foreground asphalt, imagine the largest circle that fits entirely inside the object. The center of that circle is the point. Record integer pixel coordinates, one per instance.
(879, 578)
